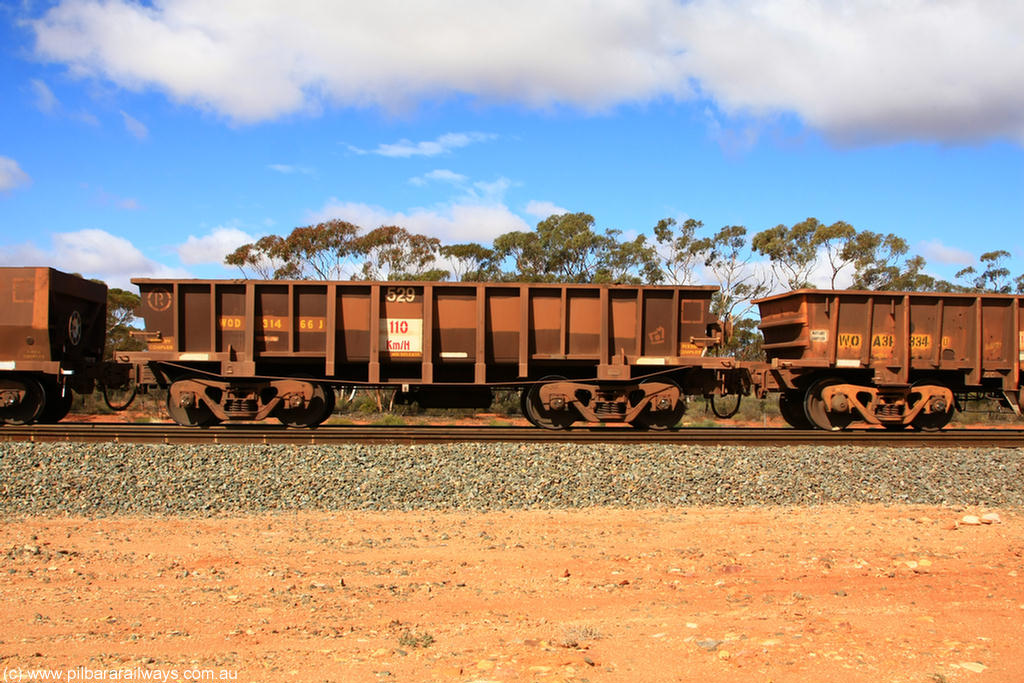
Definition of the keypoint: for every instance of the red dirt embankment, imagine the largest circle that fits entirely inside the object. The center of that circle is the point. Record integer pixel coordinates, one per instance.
(711, 595)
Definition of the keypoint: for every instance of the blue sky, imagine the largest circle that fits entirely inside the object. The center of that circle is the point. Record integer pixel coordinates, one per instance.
(150, 139)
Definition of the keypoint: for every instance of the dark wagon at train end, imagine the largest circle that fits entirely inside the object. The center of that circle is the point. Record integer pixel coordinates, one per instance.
(52, 333)
(248, 350)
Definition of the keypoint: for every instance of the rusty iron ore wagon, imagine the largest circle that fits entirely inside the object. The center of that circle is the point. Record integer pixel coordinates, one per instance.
(52, 331)
(248, 350)
(889, 358)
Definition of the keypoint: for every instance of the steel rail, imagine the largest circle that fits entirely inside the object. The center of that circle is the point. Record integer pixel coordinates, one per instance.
(343, 434)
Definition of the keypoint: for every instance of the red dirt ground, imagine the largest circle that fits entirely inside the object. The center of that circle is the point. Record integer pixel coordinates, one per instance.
(712, 595)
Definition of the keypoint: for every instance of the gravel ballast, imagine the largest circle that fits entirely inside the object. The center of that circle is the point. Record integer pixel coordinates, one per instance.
(103, 479)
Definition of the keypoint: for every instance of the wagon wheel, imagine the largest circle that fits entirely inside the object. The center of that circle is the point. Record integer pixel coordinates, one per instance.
(198, 415)
(661, 419)
(58, 404)
(791, 408)
(534, 411)
(814, 407)
(30, 407)
(931, 422)
(316, 410)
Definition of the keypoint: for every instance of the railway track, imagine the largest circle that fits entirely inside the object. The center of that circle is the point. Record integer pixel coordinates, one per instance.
(343, 434)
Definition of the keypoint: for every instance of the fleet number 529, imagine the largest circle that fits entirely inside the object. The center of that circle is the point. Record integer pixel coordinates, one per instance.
(400, 294)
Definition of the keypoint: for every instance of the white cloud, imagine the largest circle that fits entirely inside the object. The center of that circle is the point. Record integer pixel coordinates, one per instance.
(493, 191)
(542, 210)
(460, 221)
(46, 101)
(864, 70)
(442, 175)
(290, 169)
(859, 70)
(93, 253)
(257, 61)
(97, 251)
(26, 254)
(11, 175)
(212, 248)
(478, 212)
(426, 148)
(135, 127)
(935, 251)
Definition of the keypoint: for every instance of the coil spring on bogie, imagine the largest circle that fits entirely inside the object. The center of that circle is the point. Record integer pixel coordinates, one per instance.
(241, 406)
(889, 410)
(610, 408)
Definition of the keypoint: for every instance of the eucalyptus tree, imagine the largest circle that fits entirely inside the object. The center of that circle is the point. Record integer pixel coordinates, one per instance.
(393, 253)
(882, 262)
(566, 248)
(678, 248)
(797, 252)
(471, 262)
(994, 276)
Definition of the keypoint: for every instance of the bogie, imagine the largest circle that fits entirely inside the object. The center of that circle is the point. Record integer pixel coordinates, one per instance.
(201, 402)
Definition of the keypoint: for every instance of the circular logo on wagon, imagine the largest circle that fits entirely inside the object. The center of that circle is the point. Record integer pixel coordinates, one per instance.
(75, 328)
(159, 299)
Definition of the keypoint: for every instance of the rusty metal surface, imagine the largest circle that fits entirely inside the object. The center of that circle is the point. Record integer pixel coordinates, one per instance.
(419, 333)
(339, 435)
(50, 318)
(975, 339)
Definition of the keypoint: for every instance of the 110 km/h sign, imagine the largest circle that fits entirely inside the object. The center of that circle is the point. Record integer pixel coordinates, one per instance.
(401, 337)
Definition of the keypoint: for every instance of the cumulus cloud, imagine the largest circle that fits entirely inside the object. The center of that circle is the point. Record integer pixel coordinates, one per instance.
(859, 70)
(11, 175)
(92, 252)
(865, 70)
(258, 61)
(212, 248)
(452, 223)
